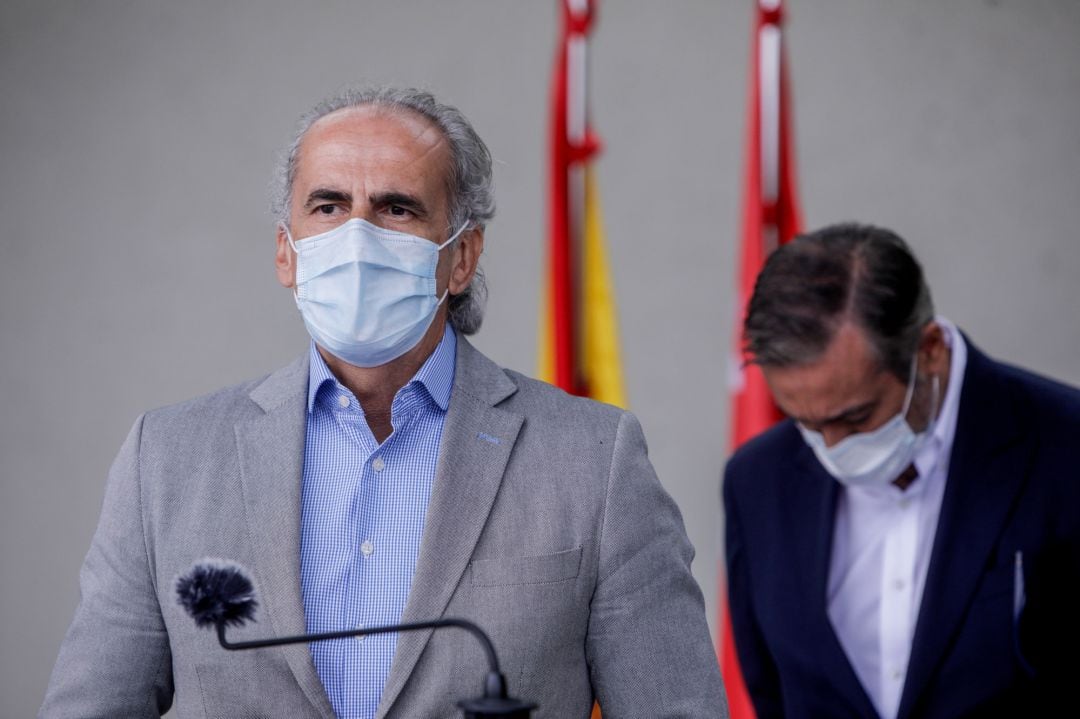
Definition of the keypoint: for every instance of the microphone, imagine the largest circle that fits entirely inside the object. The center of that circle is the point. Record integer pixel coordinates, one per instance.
(219, 593)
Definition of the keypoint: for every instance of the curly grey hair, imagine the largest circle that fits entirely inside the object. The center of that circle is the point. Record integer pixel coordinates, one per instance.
(472, 200)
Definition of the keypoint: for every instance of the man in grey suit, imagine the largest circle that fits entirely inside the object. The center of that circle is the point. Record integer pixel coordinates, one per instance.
(392, 473)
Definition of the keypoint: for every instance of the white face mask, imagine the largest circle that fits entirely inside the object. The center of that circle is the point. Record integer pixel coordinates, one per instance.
(876, 457)
(367, 294)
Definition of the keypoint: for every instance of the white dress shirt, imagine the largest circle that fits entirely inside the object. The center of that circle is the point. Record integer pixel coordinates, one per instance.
(881, 550)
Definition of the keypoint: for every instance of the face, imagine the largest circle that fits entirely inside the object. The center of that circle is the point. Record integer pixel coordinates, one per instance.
(388, 168)
(847, 390)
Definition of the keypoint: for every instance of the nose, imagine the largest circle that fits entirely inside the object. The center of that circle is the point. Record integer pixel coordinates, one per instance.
(833, 435)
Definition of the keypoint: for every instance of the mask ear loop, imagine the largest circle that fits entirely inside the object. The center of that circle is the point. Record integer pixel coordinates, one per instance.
(936, 406)
(288, 236)
(913, 376)
(465, 226)
(455, 235)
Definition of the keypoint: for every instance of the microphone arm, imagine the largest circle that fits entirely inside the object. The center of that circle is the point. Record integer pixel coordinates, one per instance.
(219, 593)
(494, 683)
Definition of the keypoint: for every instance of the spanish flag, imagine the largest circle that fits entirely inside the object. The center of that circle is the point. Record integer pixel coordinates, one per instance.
(579, 338)
(770, 217)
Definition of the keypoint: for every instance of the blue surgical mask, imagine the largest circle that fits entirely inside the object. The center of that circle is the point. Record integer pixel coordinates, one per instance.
(367, 294)
(877, 457)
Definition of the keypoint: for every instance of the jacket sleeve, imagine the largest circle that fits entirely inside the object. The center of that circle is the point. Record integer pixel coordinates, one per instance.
(758, 670)
(115, 659)
(648, 644)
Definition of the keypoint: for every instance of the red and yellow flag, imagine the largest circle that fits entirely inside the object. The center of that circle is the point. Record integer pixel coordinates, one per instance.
(579, 338)
(770, 217)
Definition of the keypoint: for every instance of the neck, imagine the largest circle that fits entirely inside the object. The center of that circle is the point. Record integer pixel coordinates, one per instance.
(376, 387)
(944, 381)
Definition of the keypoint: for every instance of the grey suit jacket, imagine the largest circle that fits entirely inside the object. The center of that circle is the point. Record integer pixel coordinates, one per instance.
(546, 526)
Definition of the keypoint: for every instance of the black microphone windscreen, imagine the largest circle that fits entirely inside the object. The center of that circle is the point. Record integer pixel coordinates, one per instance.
(217, 591)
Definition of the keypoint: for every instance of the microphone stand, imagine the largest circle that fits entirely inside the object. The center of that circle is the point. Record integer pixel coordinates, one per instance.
(493, 703)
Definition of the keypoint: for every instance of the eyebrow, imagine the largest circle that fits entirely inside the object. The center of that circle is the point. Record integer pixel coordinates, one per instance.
(391, 197)
(323, 194)
(380, 199)
(841, 416)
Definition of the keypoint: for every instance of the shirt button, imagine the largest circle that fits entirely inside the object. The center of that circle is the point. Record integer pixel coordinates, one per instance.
(367, 548)
(378, 464)
(898, 585)
(361, 637)
(905, 503)
(342, 401)
(897, 675)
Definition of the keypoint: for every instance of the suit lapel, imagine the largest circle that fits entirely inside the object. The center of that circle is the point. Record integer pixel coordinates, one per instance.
(271, 451)
(477, 441)
(986, 472)
(812, 518)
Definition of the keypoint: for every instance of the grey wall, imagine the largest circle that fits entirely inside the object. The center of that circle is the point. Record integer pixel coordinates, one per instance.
(136, 253)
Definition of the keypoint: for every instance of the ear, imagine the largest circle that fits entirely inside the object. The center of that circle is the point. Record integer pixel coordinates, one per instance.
(284, 258)
(933, 351)
(465, 258)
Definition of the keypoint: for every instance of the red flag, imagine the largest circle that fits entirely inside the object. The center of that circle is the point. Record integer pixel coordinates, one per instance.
(561, 328)
(579, 342)
(770, 217)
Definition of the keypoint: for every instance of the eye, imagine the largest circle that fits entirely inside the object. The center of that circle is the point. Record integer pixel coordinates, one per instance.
(325, 209)
(400, 211)
(858, 420)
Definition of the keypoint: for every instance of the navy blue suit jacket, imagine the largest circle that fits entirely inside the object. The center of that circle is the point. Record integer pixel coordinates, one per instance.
(1013, 486)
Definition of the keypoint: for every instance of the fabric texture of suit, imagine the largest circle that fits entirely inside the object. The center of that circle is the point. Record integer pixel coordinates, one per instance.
(546, 526)
(994, 636)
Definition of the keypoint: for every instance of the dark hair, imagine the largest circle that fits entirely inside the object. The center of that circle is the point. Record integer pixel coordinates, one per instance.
(810, 286)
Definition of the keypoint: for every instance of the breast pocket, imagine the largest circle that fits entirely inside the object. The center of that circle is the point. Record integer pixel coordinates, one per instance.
(535, 608)
(511, 571)
(997, 584)
(242, 686)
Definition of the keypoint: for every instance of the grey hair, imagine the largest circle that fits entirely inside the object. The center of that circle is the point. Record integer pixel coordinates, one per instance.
(810, 286)
(469, 185)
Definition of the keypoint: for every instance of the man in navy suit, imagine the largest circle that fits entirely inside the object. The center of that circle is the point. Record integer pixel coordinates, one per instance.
(907, 543)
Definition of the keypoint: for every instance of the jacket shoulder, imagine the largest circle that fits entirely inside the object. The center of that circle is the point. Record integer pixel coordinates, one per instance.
(1050, 399)
(535, 397)
(211, 416)
(223, 405)
(1046, 407)
(534, 392)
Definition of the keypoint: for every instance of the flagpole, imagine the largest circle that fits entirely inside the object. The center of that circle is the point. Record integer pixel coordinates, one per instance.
(577, 118)
(769, 40)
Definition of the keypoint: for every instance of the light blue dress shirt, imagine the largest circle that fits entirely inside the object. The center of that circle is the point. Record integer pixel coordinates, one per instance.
(362, 518)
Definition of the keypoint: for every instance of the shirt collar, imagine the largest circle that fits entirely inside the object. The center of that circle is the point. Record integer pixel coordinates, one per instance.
(436, 375)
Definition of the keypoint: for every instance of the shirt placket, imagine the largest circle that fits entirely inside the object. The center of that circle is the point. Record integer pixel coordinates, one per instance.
(898, 566)
(374, 556)
(351, 419)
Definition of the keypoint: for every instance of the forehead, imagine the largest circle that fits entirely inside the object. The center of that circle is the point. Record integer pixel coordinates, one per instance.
(846, 374)
(373, 146)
